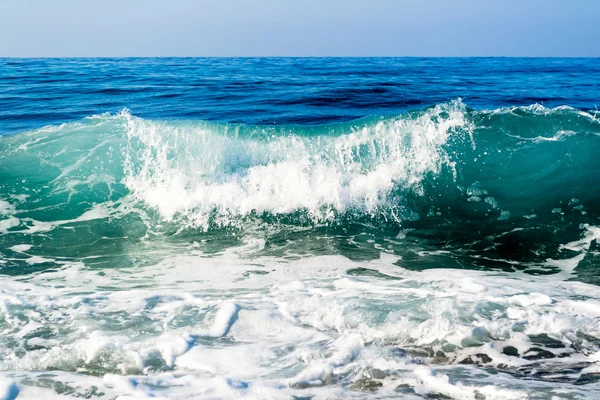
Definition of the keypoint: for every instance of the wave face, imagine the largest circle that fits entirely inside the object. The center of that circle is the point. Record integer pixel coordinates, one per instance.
(443, 174)
(445, 252)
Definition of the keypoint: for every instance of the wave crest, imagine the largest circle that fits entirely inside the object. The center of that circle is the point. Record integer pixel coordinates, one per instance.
(210, 173)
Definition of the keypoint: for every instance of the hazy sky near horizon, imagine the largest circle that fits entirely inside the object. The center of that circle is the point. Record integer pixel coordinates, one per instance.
(64, 28)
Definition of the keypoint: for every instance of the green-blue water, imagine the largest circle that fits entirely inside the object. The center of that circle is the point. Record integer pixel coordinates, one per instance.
(299, 228)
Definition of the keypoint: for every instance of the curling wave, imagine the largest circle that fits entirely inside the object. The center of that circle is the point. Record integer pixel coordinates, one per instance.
(446, 173)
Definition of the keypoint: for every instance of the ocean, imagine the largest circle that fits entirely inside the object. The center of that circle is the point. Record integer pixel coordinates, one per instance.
(300, 228)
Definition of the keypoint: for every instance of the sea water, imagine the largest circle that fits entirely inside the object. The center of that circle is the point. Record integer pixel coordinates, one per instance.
(299, 228)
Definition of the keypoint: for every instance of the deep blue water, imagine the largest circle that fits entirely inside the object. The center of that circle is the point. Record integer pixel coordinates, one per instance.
(38, 92)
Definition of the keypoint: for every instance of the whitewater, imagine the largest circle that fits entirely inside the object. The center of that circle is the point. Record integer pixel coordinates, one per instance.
(447, 250)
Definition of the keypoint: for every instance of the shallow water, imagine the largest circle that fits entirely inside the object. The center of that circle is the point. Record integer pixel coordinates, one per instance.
(299, 228)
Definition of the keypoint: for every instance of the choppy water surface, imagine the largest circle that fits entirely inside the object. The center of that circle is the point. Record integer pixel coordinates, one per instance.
(299, 228)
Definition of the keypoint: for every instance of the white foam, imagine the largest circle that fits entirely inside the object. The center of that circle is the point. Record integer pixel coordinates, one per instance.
(21, 248)
(224, 319)
(526, 300)
(592, 233)
(8, 223)
(6, 208)
(97, 211)
(323, 175)
(197, 327)
(428, 382)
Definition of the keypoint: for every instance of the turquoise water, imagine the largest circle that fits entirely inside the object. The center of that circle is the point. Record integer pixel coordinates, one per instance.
(299, 228)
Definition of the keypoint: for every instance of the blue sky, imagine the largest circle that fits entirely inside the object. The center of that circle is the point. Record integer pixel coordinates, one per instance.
(299, 28)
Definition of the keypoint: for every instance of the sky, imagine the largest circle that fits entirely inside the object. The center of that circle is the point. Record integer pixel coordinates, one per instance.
(231, 28)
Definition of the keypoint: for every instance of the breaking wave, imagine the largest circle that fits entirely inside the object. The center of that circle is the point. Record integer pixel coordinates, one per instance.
(511, 183)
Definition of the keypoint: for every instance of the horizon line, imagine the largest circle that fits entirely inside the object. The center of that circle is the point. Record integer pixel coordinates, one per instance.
(275, 56)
